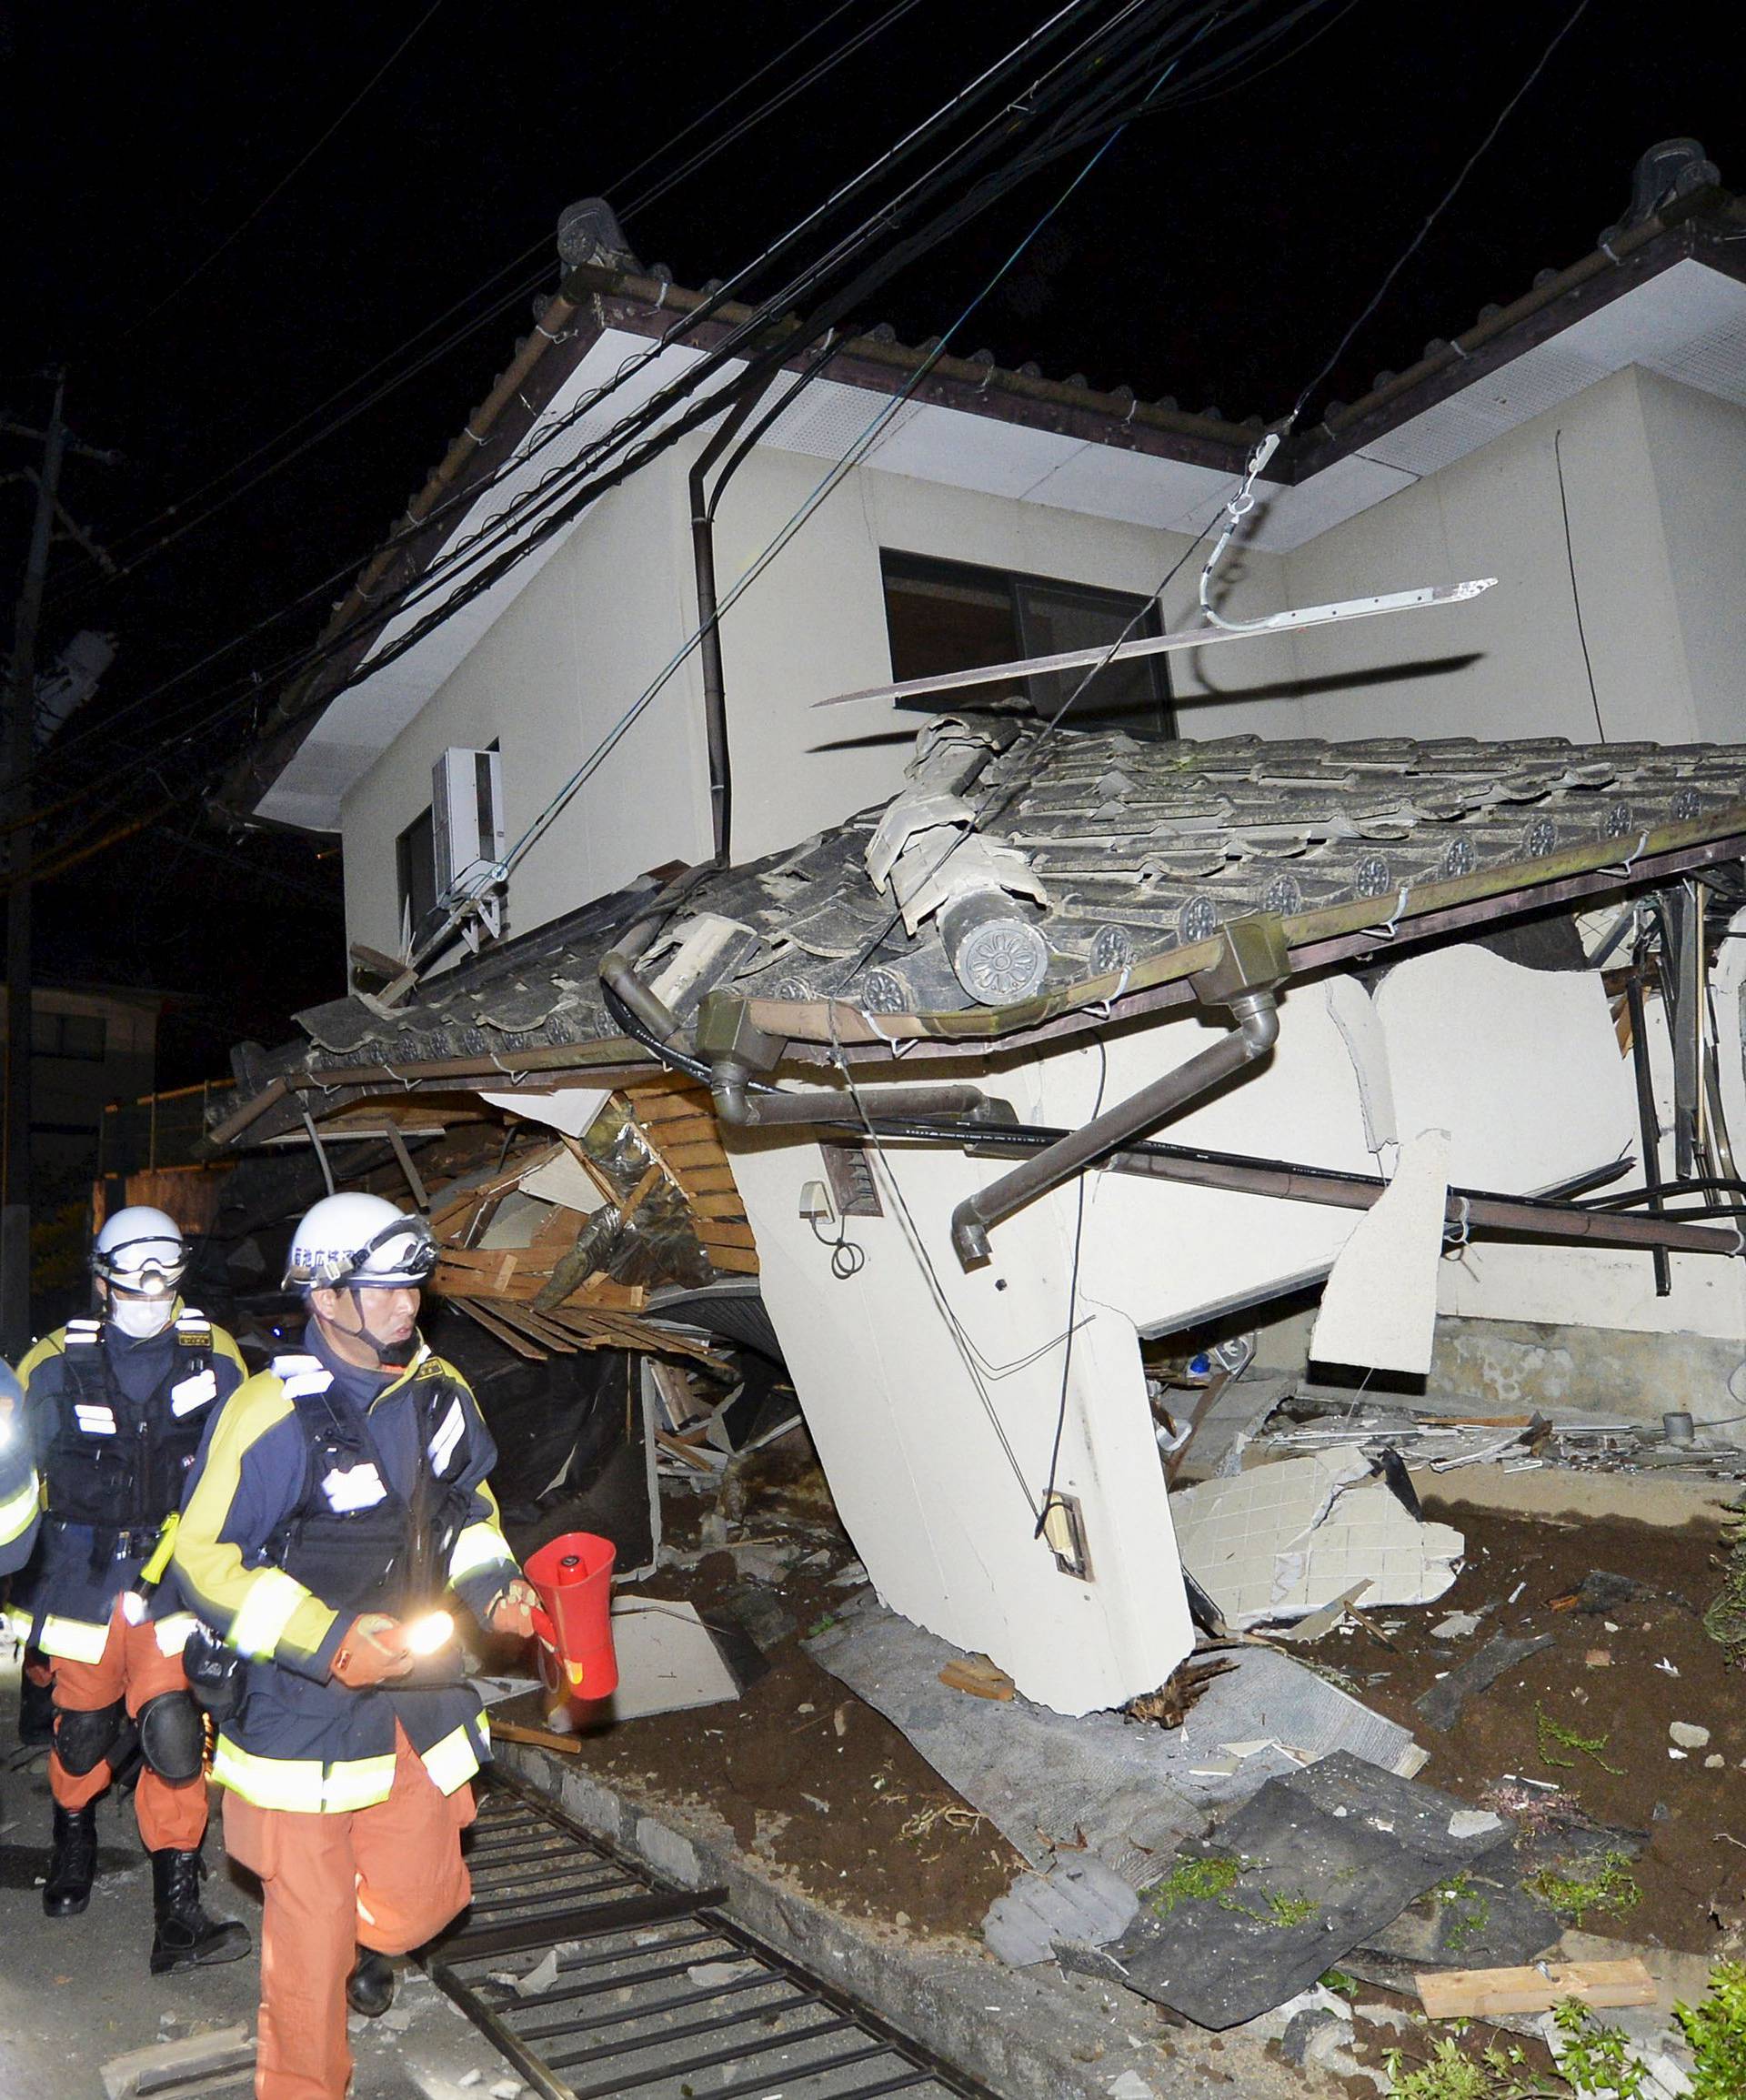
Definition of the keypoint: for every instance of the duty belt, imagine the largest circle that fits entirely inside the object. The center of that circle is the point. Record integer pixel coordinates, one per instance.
(113, 1541)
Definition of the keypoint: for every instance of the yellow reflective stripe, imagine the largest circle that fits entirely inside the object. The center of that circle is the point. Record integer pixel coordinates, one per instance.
(173, 1632)
(453, 1761)
(303, 1784)
(479, 1546)
(18, 1512)
(212, 1571)
(79, 1640)
(265, 1611)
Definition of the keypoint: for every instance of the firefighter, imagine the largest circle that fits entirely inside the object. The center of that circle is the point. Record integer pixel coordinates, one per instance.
(116, 1406)
(20, 1489)
(338, 1498)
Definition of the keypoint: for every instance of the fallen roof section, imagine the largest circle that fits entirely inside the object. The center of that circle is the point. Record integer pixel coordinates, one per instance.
(1107, 867)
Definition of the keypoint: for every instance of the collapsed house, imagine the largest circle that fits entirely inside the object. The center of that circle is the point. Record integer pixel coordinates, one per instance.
(1442, 1027)
(1073, 1040)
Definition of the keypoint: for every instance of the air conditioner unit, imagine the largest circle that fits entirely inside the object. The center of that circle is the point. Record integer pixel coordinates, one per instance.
(467, 836)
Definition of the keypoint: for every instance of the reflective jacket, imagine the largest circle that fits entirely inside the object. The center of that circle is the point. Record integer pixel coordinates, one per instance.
(20, 1489)
(316, 1498)
(115, 1424)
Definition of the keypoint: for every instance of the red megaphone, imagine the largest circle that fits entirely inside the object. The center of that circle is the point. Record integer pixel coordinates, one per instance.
(572, 1574)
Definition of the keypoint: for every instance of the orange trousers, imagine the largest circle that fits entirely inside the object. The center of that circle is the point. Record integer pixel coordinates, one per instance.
(388, 1877)
(134, 1668)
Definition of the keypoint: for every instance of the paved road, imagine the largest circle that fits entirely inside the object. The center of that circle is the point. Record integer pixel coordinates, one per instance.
(75, 1992)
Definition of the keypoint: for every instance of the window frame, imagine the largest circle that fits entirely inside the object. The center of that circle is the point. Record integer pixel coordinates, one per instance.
(411, 914)
(901, 564)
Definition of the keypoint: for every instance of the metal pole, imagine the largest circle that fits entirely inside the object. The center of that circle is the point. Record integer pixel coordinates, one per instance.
(14, 1165)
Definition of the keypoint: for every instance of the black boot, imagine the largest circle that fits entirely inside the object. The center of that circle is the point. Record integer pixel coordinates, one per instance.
(73, 1864)
(35, 1715)
(186, 1938)
(369, 1989)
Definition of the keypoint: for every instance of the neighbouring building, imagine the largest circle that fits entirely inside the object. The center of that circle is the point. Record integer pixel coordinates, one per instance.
(91, 1045)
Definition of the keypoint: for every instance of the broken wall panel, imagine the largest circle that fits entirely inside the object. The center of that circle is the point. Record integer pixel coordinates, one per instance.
(933, 1394)
(932, 1397)
(1379, 1305)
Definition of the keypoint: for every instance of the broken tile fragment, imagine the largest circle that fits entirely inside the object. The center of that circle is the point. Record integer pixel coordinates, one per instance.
(1282, 1540)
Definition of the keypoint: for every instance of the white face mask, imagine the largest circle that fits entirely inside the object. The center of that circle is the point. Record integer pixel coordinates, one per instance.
(141, 1317)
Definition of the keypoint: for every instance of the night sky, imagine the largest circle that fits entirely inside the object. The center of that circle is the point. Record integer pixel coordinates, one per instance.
(1216, 254)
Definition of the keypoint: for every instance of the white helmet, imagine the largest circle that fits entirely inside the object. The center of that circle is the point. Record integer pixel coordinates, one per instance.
(356, 1240)
(141, 1250)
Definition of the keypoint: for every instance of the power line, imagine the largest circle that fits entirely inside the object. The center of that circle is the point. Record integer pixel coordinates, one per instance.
(990, 82)
(290, 176)
(1059, 79)
(525, 284)
(1437, 210)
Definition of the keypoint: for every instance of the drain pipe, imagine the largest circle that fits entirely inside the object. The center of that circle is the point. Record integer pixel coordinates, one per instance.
(743, 1110)
(1244, 981)
(703, 562)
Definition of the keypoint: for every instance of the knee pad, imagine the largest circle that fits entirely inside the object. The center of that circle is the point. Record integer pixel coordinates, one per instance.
(172, 1736)
(82, 1739)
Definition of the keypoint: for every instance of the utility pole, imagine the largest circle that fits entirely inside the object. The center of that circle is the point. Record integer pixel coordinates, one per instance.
(16, 800)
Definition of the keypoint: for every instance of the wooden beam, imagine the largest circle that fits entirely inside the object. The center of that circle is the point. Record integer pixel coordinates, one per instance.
(1481, 1994)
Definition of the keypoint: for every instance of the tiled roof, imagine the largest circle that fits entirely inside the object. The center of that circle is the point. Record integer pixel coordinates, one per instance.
(1118, 860)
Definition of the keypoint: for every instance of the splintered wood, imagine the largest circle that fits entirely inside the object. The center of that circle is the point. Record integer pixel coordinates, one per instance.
(1480, 1993)
(678, 1120)
(545, 1296)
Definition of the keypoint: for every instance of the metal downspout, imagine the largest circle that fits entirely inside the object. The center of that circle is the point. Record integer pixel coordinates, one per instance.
(1258, 1028)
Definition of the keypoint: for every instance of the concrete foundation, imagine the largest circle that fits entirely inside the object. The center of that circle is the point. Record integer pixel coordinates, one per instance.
(1514, 1365)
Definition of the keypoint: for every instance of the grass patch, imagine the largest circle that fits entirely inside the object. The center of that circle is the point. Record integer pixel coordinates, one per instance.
(1195, 1881)
(1466, 1912)
(1716, 2030)
(1725, 1619)
(1605, 1886)
(1555, 1735)
(1213, 1880)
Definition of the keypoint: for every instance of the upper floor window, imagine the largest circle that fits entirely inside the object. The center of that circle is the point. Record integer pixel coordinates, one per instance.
(947, 615)
(414, 864)
(82, 1035)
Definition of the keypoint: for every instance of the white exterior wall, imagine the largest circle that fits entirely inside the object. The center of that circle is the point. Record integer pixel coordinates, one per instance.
(1697, 449)
(931, 1393)
(1654, 475)
(562, 664)
(1509, 664)
(618, 599)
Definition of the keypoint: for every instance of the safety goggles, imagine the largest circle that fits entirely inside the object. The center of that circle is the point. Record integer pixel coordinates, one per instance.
(401, 1256)
(127, 1266)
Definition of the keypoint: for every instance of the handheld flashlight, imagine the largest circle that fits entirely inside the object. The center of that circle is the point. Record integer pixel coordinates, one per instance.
(425, 1636)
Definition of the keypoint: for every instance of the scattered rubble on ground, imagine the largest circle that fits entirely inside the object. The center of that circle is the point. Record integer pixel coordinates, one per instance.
(1422, 1808)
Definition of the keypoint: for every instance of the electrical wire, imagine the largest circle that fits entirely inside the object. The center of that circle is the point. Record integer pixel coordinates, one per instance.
(1049, 1492)
(283, 182)
(1576, 595)
(991, 81)
(523, 285)
(483, 580)
(955, 1328)
(1436, 211)
(427, 583)
(857, 450)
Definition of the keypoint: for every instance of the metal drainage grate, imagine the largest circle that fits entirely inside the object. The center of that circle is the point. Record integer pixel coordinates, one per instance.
(656, 1994)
